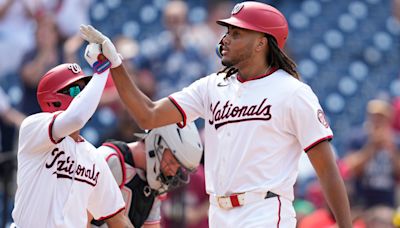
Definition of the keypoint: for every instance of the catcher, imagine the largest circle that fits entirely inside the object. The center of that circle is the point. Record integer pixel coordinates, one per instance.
(146, 169)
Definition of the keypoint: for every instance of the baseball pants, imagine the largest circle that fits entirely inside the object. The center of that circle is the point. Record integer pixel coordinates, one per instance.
(271, 212)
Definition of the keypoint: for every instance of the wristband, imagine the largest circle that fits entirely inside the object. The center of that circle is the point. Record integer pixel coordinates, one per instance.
(102, 64)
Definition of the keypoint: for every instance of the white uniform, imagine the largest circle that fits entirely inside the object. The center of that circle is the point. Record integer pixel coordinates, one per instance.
(59, 182)
(255, 132)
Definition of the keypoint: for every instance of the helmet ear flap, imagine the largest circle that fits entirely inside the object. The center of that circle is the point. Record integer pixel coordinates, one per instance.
(56, 104)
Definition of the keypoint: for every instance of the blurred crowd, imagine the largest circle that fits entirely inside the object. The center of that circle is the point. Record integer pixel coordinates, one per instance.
(38, 35)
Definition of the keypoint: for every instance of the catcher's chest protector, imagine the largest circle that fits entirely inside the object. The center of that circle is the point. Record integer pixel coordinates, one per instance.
(140, 194)
(143, 196)
(142, 200)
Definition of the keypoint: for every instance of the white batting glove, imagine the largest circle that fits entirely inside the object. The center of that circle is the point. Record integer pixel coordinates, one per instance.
(96, 59)
(92, 35)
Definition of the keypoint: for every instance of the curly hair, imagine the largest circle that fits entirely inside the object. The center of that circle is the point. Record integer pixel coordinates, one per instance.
(275, 57)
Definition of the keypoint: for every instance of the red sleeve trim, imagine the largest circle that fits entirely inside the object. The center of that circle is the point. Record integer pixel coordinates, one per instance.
(162, 197)
(329, 138)
(180, 109)
(51, 132)
(109, 216)
(121, 160)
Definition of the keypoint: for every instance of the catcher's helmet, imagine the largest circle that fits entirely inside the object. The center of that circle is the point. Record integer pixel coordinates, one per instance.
(259, 17)
(55, 80)
(185, 145)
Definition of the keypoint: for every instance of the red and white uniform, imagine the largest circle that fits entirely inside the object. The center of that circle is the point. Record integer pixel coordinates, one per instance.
(58, 182)
(255, 132)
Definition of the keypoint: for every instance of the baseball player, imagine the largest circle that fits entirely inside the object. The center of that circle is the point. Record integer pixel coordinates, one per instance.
(59, 176)
(259, 119)
(146, 169)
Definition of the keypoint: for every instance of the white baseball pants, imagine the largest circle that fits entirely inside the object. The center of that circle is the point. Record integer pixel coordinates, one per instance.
(274, 212)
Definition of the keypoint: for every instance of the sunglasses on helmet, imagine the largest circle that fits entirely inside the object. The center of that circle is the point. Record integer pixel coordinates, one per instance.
(73, 90)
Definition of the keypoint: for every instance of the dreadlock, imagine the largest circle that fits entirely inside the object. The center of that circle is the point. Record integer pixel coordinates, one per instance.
(229, 72)
(276, 57)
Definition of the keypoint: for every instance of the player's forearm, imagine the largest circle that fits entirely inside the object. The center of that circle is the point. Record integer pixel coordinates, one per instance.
(81, 108)
(140, 107)
(323, 161)
(151, 225)
(119, 221)
(336, 196)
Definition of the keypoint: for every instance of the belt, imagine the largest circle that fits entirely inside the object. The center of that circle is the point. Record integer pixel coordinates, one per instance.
(240, 199)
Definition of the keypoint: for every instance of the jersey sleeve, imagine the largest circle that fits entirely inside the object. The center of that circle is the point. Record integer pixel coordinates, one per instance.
(35, 134)
(106, 199)
(190, 101)
(155, 213)
(113, 159)
(306, 119)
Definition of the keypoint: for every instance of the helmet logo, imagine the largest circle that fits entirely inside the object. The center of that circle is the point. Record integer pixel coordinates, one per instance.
(75, 68)
(237, 8)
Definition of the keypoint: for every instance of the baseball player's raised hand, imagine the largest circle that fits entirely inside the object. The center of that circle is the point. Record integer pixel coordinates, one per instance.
(96, 59)
(92, 35)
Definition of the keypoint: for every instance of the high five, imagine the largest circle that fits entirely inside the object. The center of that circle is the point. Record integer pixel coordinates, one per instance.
(259, 118)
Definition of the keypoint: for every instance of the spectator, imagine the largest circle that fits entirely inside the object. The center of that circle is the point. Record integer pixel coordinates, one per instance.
(8, 113)
(373, 157)
(16, 34)
(50, 51)
(171, 57)
(379, 217)
(128, 48)
(187, 206)
(208, 34)
(396, 9)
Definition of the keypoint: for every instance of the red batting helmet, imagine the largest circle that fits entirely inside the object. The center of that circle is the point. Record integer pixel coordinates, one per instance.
(48, 92)
(259, 17)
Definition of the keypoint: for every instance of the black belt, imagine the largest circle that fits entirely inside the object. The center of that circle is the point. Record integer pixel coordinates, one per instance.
(270, 195)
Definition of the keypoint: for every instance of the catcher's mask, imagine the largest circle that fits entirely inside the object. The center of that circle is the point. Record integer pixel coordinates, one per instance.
(184, 146)
(58, 87)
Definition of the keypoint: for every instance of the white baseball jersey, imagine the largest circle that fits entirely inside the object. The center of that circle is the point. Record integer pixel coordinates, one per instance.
(255, 131)
(58, 182)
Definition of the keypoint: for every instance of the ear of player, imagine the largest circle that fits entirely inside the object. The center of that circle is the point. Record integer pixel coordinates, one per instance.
(107, 48)
(96, 59)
